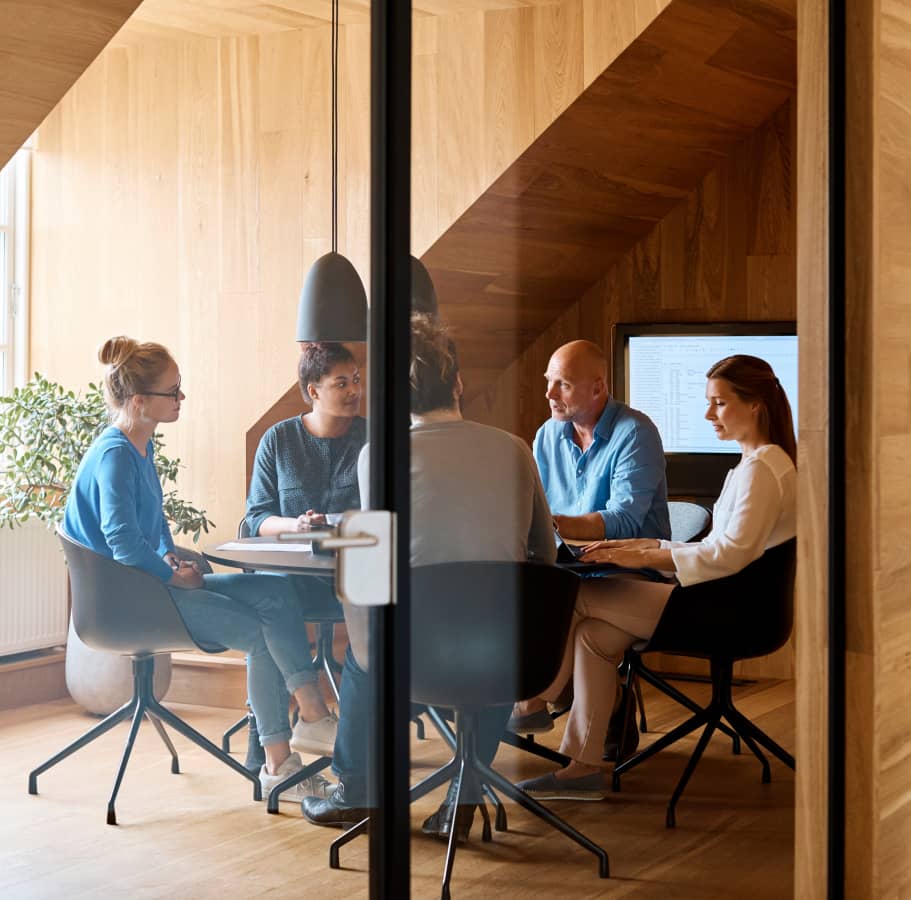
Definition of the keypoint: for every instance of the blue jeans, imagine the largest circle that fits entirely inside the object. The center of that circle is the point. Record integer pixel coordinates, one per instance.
(260, 615)
(312, 591)
(355, 719)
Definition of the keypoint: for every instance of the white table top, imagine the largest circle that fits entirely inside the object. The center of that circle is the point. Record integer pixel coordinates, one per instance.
(266, 554)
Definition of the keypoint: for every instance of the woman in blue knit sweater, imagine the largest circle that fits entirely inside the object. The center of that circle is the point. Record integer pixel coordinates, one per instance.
(115, 508)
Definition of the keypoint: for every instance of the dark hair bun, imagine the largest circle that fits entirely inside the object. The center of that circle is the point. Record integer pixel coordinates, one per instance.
(117, 350)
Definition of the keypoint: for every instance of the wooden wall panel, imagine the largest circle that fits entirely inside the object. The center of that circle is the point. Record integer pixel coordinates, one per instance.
(811, 801)
(670, 109)
(878, 429)
(182, 189)
(697, 265)
(880, 309)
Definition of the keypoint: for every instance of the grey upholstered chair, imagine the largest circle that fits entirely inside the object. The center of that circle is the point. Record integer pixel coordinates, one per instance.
(122, 609)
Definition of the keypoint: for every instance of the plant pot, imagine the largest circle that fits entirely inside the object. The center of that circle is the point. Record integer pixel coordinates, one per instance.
(100, 682)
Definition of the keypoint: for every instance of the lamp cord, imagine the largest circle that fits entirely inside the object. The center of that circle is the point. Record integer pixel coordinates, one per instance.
(335, 17)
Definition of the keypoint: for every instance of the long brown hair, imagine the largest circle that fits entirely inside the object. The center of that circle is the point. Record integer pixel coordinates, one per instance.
(753, 381)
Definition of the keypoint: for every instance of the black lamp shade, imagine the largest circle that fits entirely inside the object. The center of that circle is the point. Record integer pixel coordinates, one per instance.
(333, 302)
(423, 294)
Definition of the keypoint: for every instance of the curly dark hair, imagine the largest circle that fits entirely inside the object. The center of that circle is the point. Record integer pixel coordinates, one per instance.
(318, 359)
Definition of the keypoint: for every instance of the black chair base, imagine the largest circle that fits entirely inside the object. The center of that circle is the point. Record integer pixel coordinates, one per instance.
(720, 707)
(467, 766)
(633, 668)
(448, 735)
(142, 704)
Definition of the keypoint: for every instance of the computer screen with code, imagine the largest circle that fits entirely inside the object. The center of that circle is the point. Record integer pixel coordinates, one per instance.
(666, 380)
(660, 369)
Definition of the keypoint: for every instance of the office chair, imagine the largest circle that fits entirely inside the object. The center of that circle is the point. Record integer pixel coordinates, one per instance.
(742, 616)
(122, 609)
(477, 641)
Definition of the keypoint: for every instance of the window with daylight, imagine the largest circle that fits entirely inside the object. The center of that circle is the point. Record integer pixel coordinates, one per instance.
(14, 209)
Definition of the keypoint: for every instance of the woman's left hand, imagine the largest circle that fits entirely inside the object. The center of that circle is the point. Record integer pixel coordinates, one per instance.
(624, 544)
(605, 552)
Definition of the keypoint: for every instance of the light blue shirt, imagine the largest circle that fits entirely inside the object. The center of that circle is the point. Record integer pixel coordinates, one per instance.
(115, 505)
(621, 475)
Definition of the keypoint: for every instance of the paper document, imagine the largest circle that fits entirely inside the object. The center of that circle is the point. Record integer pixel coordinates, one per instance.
(270, 546)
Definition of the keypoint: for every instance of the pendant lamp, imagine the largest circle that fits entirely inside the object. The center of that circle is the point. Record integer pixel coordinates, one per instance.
(423, 295)
(333, 302)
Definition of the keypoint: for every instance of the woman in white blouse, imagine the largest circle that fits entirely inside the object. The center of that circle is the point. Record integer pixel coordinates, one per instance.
(755, 511)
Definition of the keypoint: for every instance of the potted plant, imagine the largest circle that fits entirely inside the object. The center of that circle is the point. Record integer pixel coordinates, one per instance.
(45, 430)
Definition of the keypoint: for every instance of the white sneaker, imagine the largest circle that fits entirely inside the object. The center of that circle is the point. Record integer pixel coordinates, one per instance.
(315, 737)
(314, 786)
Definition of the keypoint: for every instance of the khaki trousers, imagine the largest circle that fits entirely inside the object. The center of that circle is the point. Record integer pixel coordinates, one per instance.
(610, 615)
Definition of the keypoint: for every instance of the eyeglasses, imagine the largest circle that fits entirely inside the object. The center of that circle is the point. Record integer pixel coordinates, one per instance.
(174, 395)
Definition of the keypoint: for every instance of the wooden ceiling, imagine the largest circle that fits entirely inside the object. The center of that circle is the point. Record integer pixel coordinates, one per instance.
(180, 19)
(695, 84)
(45, 45)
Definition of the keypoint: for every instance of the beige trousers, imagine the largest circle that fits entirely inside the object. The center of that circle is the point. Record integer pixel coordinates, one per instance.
(610, 615)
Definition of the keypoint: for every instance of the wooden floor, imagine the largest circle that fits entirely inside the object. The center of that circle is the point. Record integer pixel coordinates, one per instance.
(199, 835)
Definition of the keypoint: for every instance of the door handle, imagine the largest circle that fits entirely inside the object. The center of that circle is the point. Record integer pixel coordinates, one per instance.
(365, 542)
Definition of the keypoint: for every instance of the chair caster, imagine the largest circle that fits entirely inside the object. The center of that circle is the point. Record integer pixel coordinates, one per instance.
(257, 791)
(112, 816)
(500, 820)
(333, 858)
(766, 775)
(33, 784)
(671, 819)
(735, 745)
(615, 784)
(175, 767)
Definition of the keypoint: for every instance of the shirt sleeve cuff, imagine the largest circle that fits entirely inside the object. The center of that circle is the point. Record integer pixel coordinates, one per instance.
(163, 570)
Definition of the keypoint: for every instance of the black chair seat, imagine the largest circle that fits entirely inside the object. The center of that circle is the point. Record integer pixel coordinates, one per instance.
(742, 616)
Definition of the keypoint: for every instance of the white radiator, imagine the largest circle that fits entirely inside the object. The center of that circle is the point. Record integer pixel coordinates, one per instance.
(33, 613)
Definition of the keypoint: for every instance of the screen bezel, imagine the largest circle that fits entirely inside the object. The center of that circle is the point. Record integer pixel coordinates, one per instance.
(698, 475)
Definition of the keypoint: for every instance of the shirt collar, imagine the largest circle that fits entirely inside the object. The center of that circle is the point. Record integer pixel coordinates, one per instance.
(604, 425)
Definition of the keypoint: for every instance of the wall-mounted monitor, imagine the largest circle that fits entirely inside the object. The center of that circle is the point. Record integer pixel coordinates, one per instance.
(660, 369)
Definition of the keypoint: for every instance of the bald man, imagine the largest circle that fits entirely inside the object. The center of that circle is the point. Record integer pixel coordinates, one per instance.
(601, 462)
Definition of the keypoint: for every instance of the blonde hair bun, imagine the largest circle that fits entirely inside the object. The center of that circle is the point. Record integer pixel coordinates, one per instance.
(117, 350)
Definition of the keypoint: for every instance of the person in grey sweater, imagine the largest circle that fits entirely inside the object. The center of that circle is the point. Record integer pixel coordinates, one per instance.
(475, 495)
